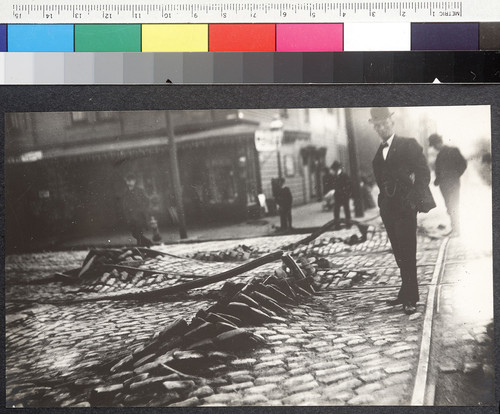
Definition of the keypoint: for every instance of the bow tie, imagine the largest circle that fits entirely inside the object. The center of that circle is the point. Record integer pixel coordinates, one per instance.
(384, 145)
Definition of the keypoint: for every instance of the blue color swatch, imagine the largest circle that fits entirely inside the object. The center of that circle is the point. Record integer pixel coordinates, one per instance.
(41, 38)
(3, 38)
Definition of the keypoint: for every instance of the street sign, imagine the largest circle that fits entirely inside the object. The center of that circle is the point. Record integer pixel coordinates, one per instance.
(265, 140)
(252, 11)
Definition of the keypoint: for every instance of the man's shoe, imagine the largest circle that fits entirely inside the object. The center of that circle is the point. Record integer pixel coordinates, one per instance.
(409, 308)
(394, 302)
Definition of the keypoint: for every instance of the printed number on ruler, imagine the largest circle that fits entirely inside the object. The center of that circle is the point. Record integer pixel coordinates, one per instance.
(253, 11)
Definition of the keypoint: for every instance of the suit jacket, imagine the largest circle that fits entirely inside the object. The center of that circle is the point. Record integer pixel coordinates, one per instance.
(342, 186)
(403, 177)
(284, 198)
(450, 165)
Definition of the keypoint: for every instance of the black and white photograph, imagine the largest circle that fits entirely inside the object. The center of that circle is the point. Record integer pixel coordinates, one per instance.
(312, 256)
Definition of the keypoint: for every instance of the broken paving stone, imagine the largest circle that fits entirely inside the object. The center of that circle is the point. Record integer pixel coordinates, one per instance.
(164, 399)
(235, 387)
(149, 383)
(415, 316)
(103, 395)
(121, 376)
(144, 360)
(84, 382)
(364, 399)
(203, 345)
(394, 369)
(83, 404)
(473, 368)
(178, 385)
(136, 378)
(203, 391)
(449, 366)
(124, 362)
(190, 402)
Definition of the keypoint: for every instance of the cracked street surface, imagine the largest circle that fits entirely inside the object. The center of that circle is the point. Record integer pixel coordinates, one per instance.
(341, 346)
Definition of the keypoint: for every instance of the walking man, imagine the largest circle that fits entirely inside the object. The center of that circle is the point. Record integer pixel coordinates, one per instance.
(403, 177)
(135, 206)
(450, 165)
(343, 189)
(284, 200)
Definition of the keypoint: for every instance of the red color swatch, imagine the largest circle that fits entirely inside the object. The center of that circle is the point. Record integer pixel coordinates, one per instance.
(241, 37)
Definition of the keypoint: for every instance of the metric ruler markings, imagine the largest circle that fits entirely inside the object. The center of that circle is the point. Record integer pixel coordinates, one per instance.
(331, 12)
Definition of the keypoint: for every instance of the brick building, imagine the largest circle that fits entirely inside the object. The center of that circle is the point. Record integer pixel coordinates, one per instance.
(64, 171)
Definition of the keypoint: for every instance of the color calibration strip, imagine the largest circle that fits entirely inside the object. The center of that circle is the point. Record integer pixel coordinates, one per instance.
(249, 37)
(248, 67)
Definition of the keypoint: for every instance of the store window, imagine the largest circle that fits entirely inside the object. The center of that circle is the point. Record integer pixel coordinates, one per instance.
(222, 182)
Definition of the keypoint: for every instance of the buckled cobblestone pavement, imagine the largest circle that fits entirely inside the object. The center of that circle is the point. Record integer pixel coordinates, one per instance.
(336, 343)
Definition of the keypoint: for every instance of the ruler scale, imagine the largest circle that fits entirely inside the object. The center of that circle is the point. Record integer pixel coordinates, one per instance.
(203, 11)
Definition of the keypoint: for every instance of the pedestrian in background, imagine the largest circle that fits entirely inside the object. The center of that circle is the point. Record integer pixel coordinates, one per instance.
(328, 191)
(343, 190)
(284, 200)
(135, 206)
(403, 176)
(449, 167)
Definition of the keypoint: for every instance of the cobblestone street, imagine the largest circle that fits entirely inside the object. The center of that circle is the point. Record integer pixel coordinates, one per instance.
(340, 346)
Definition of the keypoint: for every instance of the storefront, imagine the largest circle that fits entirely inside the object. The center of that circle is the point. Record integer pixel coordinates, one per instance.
(77, 190)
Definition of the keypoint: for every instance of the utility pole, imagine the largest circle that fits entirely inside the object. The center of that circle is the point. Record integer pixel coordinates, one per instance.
(353, 161)
(174, 173)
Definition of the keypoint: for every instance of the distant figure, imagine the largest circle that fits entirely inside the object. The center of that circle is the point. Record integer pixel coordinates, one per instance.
(136, 210)
(450, 165)
(328, 191)
(343, 189)
(284, 201)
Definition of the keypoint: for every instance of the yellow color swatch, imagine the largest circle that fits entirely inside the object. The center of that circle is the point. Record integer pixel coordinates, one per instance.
(175, 37)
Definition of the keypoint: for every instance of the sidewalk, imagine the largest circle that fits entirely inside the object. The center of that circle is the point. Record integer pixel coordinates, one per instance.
(304, 217)
(462, 362)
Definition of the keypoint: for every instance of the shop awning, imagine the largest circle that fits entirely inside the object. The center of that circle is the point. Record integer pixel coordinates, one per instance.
(142, 146)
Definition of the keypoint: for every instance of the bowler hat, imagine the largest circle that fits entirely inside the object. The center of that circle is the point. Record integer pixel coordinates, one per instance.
(434, 139)
(380, 114)
(336, 165)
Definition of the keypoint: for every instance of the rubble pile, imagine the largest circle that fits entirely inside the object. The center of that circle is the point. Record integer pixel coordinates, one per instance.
(182, 357)
(237, 254)
(115, 269)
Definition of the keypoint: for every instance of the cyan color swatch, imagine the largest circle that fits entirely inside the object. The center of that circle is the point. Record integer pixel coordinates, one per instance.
(40, 38)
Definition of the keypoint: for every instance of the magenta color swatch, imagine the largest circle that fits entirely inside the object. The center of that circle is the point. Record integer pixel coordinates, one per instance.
(309, 37)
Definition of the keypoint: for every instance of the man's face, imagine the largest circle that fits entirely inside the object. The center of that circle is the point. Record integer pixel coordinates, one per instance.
(384, 128)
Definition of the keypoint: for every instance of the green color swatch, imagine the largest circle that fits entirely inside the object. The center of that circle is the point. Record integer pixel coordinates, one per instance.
(107, 38)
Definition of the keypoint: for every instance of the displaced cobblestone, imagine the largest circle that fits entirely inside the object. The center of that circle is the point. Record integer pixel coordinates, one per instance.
(314, 355)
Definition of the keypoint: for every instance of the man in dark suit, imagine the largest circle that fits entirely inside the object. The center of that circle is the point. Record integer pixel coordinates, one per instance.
(343, 189)
(284, 200)
(450, 165)
(403, 177)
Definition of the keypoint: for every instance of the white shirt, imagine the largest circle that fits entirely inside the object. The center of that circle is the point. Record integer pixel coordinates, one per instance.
(385, 150)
